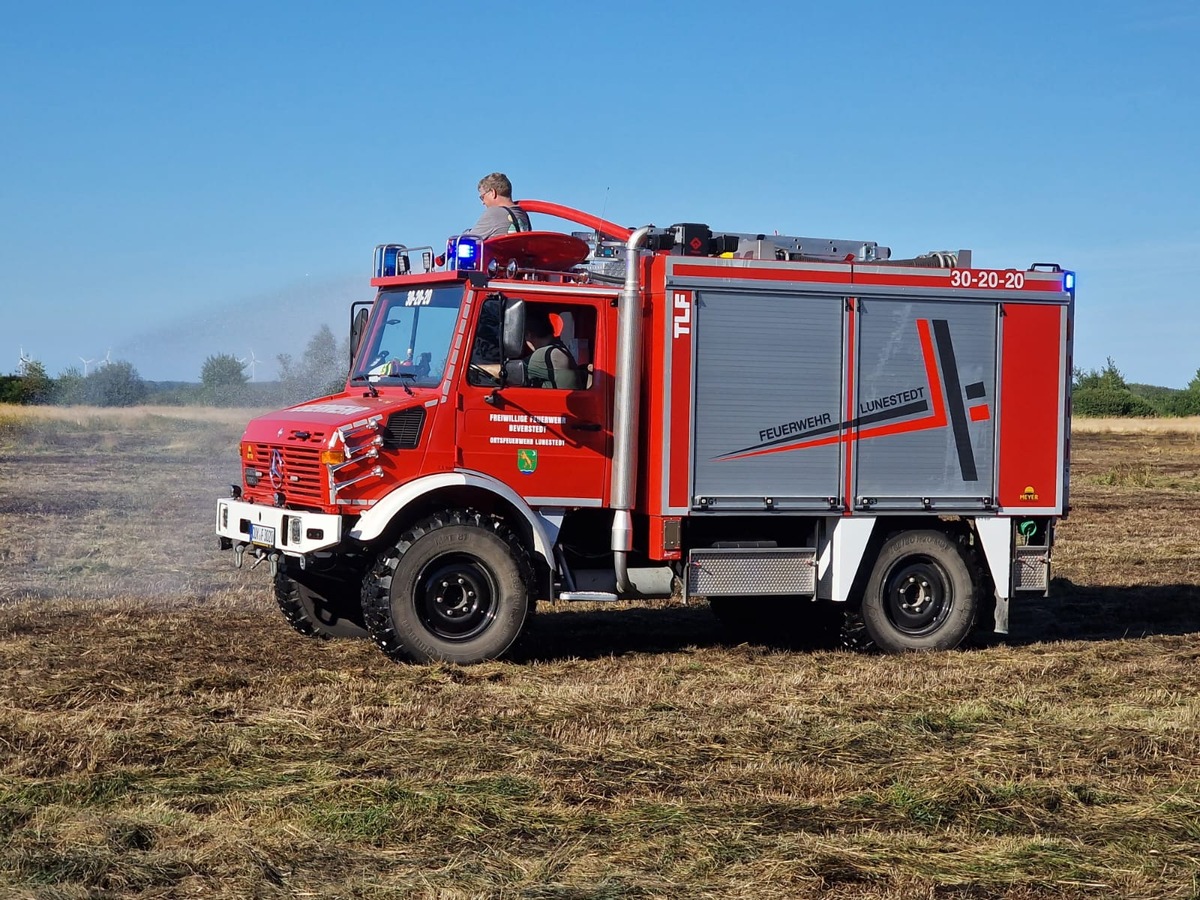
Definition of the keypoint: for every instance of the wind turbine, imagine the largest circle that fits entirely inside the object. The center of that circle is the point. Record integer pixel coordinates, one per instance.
(24, 362)
(253, 361)
(86, 363)
(107, 358)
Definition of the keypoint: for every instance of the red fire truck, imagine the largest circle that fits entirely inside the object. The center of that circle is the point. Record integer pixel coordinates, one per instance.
(771, 423)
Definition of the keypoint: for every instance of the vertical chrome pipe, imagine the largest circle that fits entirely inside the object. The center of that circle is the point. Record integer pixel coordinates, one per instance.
(625, 411)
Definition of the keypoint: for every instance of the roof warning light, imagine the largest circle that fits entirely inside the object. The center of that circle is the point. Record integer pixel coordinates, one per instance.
(462, 252)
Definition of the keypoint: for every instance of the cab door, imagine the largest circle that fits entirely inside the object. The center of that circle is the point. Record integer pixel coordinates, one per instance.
(553, 445)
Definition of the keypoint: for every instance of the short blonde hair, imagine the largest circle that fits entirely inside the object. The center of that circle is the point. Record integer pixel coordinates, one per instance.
(497, 182)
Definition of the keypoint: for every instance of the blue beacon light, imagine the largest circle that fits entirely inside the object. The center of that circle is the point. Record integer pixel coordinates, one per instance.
(1068, 281)
(463, 252)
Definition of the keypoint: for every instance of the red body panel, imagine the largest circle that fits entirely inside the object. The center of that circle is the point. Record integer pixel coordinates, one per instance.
(1031, 407)
(424, 279)
(1006, 281)
(665, 442)
(1035, 417)
(744, 269)
(552, 447)
(679, 339)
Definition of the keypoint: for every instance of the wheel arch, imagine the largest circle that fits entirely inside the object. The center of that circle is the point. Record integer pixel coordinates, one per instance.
(446, 490)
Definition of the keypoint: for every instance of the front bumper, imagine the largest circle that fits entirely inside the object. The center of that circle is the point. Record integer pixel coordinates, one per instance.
(289, 531)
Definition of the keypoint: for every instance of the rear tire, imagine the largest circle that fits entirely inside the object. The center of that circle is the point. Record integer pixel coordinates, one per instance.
(921, 594)
(321, 605)
(455, 588)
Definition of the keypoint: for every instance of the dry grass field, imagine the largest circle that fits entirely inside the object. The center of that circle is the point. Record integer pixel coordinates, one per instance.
(164, 734)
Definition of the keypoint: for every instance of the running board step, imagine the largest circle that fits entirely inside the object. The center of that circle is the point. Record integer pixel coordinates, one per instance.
(752, 571)
(589, 596)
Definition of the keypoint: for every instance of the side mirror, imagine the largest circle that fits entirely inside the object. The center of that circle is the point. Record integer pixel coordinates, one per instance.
(512, 341)
(358, 327)
(513, 373)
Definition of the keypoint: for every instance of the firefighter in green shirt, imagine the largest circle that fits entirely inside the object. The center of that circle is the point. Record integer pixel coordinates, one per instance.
(550, 364)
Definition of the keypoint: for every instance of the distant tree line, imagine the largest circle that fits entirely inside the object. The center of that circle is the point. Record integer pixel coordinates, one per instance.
(320, 370)
(113, 384)
(1104, 393)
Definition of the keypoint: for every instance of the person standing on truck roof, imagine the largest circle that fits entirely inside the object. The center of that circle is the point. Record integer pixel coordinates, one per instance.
(551, 364)
(501, 215)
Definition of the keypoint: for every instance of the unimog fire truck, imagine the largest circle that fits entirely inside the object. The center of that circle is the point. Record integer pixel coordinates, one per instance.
(774, 424)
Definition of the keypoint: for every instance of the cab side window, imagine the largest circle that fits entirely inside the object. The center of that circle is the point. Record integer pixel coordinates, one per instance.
(560, 339)
(559, 343)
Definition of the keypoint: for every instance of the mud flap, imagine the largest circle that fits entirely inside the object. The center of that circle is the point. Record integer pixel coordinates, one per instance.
(1001, 615)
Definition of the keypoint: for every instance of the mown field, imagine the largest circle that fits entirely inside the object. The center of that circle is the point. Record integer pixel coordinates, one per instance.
(164, 734)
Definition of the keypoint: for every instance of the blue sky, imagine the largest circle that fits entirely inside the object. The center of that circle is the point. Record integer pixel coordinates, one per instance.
(184, 179)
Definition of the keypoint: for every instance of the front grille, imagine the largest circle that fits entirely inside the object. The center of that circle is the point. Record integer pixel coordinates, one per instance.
(308, 435)
(299, 475)
(403, 429)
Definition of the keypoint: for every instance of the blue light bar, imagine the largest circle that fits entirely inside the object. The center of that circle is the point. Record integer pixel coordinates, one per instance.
(462, 252)
(1068, 281)
(391, 259)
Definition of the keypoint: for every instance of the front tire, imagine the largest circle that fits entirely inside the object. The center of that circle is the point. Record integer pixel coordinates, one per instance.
(321, 605)
(455, 588)
(921, 595)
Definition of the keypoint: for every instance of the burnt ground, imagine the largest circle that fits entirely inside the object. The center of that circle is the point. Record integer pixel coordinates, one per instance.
(163, 734)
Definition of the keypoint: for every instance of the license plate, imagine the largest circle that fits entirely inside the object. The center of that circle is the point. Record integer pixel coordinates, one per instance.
(263, 535)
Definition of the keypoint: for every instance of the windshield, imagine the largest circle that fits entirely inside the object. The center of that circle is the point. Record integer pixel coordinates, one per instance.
(410, 338)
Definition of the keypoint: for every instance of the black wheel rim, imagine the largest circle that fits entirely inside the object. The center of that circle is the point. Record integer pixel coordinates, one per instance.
(917, 596)
(456, 597)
